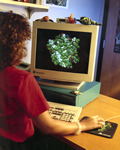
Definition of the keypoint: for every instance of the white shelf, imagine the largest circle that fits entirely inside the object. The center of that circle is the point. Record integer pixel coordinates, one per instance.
(29, 7)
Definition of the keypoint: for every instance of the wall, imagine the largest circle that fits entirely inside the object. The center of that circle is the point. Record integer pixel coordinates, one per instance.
(89, 8)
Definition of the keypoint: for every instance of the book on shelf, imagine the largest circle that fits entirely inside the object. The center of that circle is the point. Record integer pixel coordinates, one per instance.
(26, 1)
(32, 1)
(38, 2)
(19, 0)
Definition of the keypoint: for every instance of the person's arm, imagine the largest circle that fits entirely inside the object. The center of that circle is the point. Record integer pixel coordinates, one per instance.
(51, 126)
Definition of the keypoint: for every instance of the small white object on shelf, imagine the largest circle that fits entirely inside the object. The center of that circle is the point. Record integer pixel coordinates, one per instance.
(38, 2)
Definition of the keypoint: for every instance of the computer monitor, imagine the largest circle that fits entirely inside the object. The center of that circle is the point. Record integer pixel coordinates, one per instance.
(63, 54)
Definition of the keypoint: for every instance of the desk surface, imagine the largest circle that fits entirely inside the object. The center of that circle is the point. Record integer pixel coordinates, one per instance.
(105, 107)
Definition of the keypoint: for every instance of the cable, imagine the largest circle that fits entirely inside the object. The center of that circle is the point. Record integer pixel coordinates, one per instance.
(112, 117)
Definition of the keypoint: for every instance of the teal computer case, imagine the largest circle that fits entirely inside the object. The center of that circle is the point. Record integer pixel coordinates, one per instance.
(89, 90)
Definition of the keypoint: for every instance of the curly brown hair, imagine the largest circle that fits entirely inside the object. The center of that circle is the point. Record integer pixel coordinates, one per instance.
(14, 31)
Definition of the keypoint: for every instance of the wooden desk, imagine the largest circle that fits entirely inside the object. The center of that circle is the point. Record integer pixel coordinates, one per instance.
(105, 107)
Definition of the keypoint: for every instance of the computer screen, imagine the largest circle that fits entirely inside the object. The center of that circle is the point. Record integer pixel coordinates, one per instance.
(63, 52)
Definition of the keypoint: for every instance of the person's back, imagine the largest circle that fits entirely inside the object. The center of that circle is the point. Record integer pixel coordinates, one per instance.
(15, 123)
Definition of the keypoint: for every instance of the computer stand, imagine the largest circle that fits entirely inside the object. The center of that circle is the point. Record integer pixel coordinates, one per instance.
(61, 84)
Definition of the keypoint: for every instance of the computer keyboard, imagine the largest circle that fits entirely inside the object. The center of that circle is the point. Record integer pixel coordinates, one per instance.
(64, 112)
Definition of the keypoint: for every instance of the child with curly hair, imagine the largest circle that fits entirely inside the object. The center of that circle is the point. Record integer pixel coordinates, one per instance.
(21, 99)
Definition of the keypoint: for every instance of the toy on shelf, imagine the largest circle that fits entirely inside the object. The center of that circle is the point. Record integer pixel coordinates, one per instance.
(87, 21)
(44, 19)
(66, 20)
(71, 19)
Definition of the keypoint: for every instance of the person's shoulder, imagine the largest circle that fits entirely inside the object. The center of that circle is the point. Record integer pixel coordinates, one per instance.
(18, 74)
(14, 70)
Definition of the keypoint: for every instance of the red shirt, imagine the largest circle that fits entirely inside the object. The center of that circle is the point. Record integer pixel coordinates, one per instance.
(20, 100)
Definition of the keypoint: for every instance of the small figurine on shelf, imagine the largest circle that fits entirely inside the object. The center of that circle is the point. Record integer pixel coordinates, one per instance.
(44, 19)
(87, 21)
(70, 19)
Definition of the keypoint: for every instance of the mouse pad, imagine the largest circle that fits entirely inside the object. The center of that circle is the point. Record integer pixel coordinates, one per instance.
(107, 131)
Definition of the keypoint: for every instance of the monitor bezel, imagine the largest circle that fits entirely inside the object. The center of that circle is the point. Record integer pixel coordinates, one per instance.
(59, 75)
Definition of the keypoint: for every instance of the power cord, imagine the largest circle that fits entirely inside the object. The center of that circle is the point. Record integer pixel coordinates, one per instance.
(113, 117)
